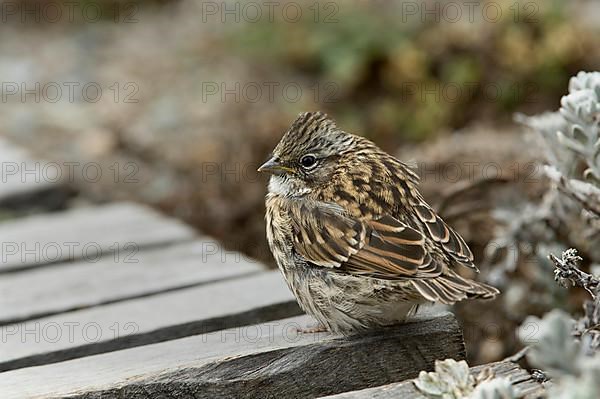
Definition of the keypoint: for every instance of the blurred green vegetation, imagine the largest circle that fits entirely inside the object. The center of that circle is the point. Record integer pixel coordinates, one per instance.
(399, 72)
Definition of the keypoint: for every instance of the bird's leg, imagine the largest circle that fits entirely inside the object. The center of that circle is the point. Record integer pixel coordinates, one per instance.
(311, 330)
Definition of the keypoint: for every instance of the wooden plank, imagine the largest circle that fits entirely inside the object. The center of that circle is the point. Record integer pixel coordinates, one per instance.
(25, 182)
(85, 233)
(269, 361)
(524, 385)
(45, 291)
(150, 319)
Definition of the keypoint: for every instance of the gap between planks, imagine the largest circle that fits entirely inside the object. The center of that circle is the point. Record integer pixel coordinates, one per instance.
(209, 307)
(87, 233)
(44, 291)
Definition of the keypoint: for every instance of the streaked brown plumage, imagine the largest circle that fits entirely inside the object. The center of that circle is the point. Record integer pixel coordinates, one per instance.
(355, 240)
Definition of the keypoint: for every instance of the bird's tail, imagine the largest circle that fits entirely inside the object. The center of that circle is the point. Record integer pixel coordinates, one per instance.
(450, 288)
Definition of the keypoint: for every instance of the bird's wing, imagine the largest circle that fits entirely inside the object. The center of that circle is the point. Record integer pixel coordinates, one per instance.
(383, 248)
(449, 240)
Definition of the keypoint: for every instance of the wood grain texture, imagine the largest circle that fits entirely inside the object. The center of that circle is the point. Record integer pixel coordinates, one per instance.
(85, 233)
(524, 385)
(270, 360)
(45, 291)
(25, 182)
(229, 303)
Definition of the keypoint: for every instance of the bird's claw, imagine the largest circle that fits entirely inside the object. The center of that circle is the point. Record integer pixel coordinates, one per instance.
(311, 330)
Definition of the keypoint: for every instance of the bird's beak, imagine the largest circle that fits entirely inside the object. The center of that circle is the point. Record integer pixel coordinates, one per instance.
(274, 167)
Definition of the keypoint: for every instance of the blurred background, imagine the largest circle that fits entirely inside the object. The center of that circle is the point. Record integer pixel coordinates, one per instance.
(180, 101)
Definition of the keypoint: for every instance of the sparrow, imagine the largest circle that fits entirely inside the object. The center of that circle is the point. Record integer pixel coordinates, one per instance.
(356, 242)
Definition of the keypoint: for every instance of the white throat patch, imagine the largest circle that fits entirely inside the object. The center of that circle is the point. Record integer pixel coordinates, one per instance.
(282, 186)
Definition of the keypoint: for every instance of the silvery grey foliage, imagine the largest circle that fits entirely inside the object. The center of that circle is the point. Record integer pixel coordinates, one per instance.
(568, 215)
(453, 380)
(552, 346)
(565, 349)
(450, 380)
(567, 273)
(571, 140)
(585, 193)
(584, 387)
(555, 349)
(581, 110)
(572, 134)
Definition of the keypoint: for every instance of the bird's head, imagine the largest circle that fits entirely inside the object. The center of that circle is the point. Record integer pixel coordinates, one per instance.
(309, 154)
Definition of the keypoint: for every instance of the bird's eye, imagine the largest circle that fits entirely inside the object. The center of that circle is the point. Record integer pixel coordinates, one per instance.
(308, 161)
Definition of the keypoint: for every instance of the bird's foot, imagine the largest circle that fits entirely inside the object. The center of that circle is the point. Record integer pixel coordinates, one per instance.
(311, 330)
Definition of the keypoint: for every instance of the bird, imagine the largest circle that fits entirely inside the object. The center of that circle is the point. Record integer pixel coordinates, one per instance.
(355, 241)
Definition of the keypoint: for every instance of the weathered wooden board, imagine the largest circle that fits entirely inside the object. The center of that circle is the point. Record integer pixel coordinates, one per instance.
(45, 291)
(85, 233)
(209, 307)
(267, 361)
(524, 385)
(25, 182)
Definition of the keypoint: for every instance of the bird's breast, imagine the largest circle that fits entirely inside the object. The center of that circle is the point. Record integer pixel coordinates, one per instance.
(279, 230)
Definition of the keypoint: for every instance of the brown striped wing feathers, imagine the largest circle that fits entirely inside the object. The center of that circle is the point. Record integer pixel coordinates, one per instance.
(383, 248)
(324, 236)
(440, 232)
